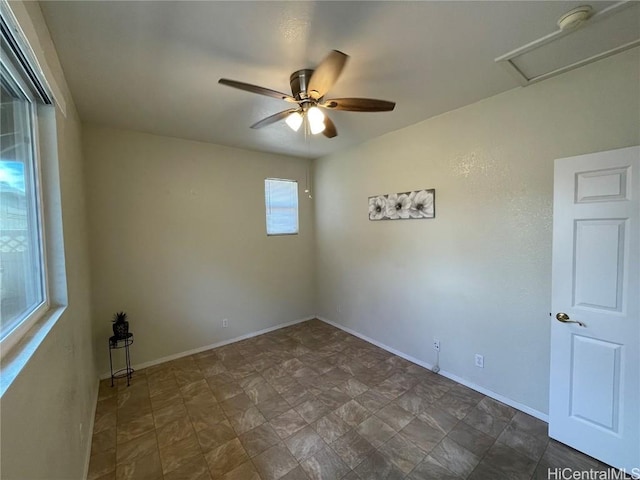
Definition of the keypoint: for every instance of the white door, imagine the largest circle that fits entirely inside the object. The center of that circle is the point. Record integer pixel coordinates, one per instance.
(594, 403)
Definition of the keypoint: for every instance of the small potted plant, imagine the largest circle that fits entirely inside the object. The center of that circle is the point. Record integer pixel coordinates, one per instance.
(120, 325)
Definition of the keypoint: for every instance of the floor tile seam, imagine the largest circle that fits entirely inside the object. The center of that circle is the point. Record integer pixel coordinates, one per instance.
(209, 451)
(533, 474)
(495, 442)
(481, 457)
(371, 452)
(142, 456)
(202, 452)
(539, 459)
(255, 467)
(440, 441)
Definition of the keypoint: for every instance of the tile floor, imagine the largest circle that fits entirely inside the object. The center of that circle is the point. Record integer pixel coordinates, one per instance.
(312, 402)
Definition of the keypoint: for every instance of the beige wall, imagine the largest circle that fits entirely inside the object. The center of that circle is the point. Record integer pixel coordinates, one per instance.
(47, 411)
(478, 276)
(178, 241)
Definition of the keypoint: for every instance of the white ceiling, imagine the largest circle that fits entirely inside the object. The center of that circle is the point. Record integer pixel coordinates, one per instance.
(153, 66)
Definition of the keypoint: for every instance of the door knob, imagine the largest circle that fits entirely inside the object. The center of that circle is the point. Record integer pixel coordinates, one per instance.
(564, 318)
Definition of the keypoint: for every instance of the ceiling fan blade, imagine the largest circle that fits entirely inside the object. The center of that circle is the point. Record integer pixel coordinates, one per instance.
(256, 89)
(358, 104)
(329, 128)
(273, 118)
(326, 74)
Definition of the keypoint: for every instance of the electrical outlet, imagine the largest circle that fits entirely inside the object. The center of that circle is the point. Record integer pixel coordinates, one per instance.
(436, 345)
(479, 360)
(225, 323)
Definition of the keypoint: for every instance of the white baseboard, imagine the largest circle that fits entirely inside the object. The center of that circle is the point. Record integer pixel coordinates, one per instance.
(174, 356)
(89, 440)
(496, 396)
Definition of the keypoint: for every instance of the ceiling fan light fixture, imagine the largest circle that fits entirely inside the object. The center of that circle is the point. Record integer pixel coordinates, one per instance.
(308, 88)
(294, 121)
(316, 120)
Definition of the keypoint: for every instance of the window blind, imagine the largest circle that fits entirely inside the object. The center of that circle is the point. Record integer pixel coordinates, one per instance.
(281, 201)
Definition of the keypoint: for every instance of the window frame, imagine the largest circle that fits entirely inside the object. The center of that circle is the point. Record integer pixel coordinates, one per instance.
(15, 64)
(267, 207)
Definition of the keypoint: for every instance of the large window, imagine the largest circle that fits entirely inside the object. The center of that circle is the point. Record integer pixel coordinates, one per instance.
(281, 200)
(23, 288)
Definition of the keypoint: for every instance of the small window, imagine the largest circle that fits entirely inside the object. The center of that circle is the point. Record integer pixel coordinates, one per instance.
(281, 200)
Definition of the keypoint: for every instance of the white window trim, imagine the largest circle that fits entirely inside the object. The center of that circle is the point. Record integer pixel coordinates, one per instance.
(13, 337)
(23, 340)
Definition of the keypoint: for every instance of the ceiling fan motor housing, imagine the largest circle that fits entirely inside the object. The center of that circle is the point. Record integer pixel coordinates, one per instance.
(299, 81)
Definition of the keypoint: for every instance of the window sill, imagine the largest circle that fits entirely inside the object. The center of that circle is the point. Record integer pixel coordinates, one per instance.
(17, 357)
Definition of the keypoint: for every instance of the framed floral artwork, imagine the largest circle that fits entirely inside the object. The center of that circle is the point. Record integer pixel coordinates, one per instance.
(403, 206)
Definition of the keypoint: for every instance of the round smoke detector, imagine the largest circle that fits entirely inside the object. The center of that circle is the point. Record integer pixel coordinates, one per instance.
(575, 18)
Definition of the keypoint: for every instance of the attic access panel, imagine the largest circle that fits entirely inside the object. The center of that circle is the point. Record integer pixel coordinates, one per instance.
(609, 31)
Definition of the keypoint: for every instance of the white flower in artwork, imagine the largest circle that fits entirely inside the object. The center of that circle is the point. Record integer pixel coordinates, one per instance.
(377, 207)
(398, 206)
(421, 204)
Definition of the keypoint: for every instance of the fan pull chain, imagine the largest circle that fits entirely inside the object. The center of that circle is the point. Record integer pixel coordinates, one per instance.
(307, 137)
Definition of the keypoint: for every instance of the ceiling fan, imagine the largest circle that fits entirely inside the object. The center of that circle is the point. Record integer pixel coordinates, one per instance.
(308, 88)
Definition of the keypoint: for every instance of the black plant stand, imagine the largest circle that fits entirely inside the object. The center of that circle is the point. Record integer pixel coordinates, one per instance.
(116, 343)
